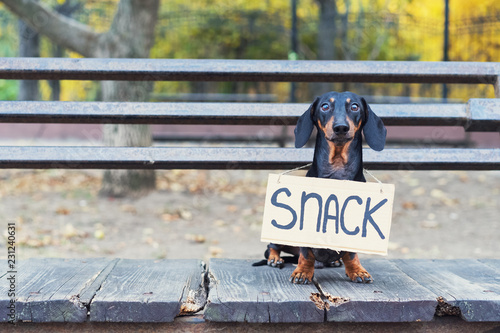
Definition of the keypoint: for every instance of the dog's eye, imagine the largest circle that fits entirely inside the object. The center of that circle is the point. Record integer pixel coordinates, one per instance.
(354, 107)
(325, 107)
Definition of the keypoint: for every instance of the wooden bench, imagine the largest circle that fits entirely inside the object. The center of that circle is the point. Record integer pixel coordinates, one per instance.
(407, 294)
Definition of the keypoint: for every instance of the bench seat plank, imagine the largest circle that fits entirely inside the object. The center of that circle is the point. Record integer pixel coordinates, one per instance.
(392, 297)
(242, 293)
(76, 290)
(55, 290)
(468, 284)
(150, 291)
(495, 264)
(236, 158)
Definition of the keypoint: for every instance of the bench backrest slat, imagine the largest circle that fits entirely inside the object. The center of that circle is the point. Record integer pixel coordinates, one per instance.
(235, 158)
(249, 70)
(478, 115)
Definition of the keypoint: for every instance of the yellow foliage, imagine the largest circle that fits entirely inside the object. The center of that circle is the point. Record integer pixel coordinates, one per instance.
(418, 34)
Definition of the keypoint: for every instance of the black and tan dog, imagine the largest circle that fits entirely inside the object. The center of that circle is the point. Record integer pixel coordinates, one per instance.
(339, 118)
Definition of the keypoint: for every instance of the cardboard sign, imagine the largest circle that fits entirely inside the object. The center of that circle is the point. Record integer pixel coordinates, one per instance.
(327, 213)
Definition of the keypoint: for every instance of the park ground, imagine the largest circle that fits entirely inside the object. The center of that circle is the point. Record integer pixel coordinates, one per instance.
(218, 213)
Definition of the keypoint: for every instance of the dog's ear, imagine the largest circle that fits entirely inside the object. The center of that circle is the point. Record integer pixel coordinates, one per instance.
(373, 129)
(305, 126)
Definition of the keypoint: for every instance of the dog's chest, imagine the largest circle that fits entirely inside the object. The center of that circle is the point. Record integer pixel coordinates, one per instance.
(348, 171)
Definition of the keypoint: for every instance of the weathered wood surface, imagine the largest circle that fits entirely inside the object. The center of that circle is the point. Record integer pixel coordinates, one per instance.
(476, 115)
(403, 291)
(106, 290)
(468, 284)
(393, 297)
(493, 263)
(242, 293)
(248, 70)
(150, 291)
(54, 290)
(65, 157)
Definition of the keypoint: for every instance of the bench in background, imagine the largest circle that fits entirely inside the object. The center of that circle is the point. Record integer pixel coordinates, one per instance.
(119, 290)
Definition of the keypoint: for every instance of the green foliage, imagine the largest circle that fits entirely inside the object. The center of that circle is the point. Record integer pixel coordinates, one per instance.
(8, 90)
(8, 33)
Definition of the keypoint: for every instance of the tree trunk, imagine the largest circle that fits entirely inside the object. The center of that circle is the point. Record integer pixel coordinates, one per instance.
(134, 22)
(120, 183)
(131, 35)
(327, 32)
(67, 9)
(29, 46)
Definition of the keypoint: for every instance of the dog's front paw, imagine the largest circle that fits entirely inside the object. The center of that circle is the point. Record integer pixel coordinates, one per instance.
(354, 270)
(275, 260)
(302, 276)
(358, 274)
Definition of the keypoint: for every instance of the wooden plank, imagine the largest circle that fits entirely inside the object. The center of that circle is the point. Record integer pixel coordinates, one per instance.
(196, 324)
(233, 113)
(432, 159)
(242, 293)
(477, 115)
(50, 290)
(467, 284)
(228, 158)
(392, 297)
(248, 70)
(493, 263)
(150, 291)
(483, 114)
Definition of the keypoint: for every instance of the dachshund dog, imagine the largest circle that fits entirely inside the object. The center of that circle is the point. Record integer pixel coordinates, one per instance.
(339, 119)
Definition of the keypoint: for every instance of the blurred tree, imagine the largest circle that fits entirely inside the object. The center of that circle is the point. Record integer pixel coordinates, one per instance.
(131, 35)
(66, 8)
(327, 29)
(327, 33)
(29, 46)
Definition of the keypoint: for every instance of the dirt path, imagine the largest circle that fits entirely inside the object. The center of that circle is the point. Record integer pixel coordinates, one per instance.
(203, 214)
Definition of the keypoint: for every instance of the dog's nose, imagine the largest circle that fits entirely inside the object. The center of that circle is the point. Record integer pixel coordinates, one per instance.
(341, 129)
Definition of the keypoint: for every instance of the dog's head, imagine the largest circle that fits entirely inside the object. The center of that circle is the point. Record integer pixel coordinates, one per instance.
(339, 117)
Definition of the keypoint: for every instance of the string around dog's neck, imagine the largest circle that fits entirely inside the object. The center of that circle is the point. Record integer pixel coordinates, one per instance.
(298, 168)
(369, 173)
(309, 164)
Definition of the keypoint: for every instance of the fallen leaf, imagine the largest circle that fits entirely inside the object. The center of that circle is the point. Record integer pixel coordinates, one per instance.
(220, 223)
(419, 191)
(232, 208)
(99, 234)
(409, 205)
(404, 250)
(197, 238)
(169, 217)
(185, 214)
(429, 224)
(437, 193)
(70, 231)
(215, 251)
(62, 211)
(129, 209)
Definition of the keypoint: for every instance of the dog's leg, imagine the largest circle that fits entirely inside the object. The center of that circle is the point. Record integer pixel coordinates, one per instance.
(274, 259)
(305, 270)
(354, 270)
